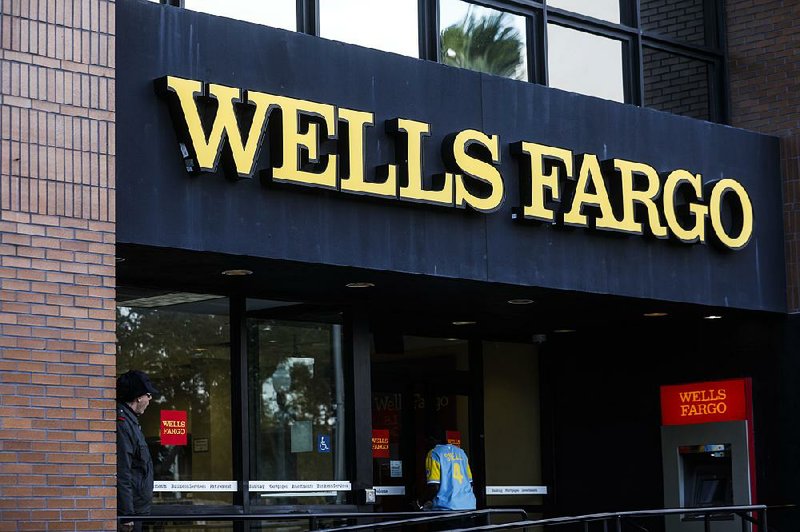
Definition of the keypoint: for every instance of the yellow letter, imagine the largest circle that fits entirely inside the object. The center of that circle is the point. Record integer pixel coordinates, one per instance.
(413, 190)
(357, 122)
(745, 217)
(208, 151)
(478, 169)
(645, 197)
(697, 233)
(294, 142)
(535, 171)
(590, 173)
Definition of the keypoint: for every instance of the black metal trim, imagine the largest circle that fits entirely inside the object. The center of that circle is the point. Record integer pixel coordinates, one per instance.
(476, 415)
(428, 24)
(240, 412)
(358, 415)
(308, 16)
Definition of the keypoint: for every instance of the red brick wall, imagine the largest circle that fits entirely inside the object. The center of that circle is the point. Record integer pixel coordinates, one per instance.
(764, 67)
(57, 284)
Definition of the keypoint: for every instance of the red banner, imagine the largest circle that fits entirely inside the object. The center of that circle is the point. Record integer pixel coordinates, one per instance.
(380, 443)
(173, 427)
(704, 402)
(453, 437)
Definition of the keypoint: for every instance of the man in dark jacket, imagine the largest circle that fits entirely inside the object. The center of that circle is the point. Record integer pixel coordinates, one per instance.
(134, 464)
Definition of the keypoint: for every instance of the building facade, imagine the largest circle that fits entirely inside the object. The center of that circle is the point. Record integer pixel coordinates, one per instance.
(318, 247)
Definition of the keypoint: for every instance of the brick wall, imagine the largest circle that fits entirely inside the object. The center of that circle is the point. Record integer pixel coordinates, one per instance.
(678, 19)
(764, 68)
(673, 83)
(57, 318)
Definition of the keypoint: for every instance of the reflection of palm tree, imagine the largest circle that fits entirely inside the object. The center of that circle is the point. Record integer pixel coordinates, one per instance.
(483, 43)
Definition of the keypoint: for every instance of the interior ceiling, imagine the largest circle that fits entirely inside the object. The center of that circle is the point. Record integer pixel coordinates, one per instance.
(405, 303)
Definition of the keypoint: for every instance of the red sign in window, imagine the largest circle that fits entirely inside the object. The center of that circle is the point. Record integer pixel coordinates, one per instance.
(704, 402)
(453, 437)
(173, 427)
(380, 443)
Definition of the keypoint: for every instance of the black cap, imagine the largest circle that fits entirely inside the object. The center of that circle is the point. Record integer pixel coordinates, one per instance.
(435, 432)
(133, 384)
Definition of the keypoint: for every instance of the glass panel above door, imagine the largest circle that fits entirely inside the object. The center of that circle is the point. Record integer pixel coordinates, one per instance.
(275, 13)
(685, 21)
(676, 84)
(388, 25)
(600, 9)
(585, 63)
(483, 39)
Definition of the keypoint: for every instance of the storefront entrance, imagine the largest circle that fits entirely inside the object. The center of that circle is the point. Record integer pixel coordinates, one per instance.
(417, 384)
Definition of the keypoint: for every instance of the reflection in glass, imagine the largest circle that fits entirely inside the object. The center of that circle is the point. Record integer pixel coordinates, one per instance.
(275, 13)
(684, 21)
(585, 63)
(182, 342)
(601, 9)
(482, 39)
(388, 25)
(296, 387)
(676, 84)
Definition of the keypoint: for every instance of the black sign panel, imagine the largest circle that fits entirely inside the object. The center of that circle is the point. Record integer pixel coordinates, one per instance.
(437, 125)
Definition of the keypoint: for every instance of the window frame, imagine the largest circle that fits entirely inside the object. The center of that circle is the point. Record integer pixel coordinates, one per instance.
(538, 14)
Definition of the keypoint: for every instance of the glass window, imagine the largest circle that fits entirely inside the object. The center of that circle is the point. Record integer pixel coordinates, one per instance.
(511, 377)
(182, 342)
(684, 21)
(585, 63)
(275, 13)
(482, 39)
(676, 84)
(297, 402)
(601, 9)
(388, 25)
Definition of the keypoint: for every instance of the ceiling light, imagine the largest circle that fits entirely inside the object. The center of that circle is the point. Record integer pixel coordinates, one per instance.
(712, 317)
(520, 301)
(655, 314)
(564, 331)
(237, 273)
(463, 322)
(360, 285)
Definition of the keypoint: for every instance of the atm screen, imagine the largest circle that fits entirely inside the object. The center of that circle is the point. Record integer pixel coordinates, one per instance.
(707, 473)
(710, 492)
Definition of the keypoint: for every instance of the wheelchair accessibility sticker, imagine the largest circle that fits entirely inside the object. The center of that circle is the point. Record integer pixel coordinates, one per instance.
(324, 443)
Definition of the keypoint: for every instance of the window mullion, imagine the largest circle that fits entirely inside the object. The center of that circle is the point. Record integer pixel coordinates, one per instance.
(428, 16)
(240, 412)
(308, 17)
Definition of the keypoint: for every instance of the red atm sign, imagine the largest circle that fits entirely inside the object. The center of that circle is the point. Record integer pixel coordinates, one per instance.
(705, 402)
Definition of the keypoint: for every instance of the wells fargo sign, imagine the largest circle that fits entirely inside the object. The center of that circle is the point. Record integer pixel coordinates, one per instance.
(173, 427)
(705, 402)
(380, 443)
(306, 148)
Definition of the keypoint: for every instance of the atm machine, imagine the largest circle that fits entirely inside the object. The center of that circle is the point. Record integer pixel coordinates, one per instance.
(707, 451)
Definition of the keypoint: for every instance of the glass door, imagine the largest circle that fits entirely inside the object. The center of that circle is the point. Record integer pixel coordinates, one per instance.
(417, 384)
(297, 431)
